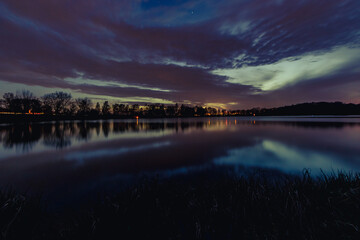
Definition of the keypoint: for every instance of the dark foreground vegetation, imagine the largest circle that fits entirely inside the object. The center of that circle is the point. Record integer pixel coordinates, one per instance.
(24, 106)
(224, 207)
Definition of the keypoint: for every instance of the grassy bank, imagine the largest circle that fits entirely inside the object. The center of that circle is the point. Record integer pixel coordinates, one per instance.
(225, 207)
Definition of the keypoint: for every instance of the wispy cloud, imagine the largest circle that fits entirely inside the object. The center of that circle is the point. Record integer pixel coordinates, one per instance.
(245, 52)
(290, 71)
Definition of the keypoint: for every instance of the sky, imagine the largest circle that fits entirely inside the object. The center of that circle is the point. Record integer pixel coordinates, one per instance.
(232, 54)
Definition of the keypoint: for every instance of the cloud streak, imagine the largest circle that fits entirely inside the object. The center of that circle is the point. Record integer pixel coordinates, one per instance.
(251, 53)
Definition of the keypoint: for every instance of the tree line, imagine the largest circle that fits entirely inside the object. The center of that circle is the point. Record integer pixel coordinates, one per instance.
(62, 104)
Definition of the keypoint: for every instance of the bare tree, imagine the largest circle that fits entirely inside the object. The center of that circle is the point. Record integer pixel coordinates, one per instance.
(84, 105)
(9, 101)
(27, 100)
(58, 102)
(22, 102)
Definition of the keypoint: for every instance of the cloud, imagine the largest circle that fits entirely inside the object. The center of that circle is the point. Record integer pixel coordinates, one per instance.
(192, 51)
(292, 70)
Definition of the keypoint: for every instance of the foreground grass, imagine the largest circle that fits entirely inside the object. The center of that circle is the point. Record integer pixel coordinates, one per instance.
(225, 207)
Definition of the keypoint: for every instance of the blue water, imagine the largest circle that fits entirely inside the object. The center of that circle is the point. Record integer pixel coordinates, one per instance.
(82, 157)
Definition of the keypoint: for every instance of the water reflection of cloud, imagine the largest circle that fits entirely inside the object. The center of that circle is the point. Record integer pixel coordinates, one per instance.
(175, 147)
(81, 156)
(68, 134)
(276, 155)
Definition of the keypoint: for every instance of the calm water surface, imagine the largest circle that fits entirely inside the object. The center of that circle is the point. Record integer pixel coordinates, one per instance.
(75, 158)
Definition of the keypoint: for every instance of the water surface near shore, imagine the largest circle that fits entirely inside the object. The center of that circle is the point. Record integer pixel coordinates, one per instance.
(76, 157)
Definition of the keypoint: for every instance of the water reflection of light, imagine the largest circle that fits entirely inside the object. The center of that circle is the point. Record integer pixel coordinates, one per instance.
(276, 155)
(18, 140)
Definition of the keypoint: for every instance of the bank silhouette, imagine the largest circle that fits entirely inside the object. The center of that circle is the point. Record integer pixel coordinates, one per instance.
(25, 106)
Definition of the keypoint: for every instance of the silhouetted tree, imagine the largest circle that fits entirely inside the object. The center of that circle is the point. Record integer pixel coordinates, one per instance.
(10, 102)
(35, 105)
(106, 108)
(171, 111)
(134, 110)
(26, 100)
(116, 109)
(123, 109)
(21, 102)
(84, 105)
(97, 108)
(57, 102)
(46, 109)
(136, 107)
(186, 111)
(73, 108)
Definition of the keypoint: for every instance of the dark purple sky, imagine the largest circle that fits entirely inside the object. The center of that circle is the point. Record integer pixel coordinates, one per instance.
(229, 53)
